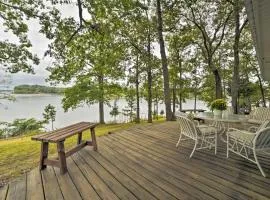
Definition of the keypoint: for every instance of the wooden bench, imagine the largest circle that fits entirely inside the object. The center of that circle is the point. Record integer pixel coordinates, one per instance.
(59, 136)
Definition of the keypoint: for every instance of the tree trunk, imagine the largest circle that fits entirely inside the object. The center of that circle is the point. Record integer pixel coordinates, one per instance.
(235, 81)
(137, 120)
(101, 100)
(174, 97)
(261, 86)
(180, 82)
(195, 95)
(218, 84)
(166, 81)
(149, 80)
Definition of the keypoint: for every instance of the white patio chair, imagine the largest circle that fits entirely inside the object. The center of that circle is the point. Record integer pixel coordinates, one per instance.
(247, 144)
(205, 135)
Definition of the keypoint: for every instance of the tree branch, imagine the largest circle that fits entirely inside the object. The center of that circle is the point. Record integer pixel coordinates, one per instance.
(243, 25)
(223, 33)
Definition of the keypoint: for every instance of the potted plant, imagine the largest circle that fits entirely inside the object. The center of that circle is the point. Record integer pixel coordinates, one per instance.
(218, 105)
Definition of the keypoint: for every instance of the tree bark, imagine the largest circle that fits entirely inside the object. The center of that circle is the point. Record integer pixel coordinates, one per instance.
(149, 79)
(180, 82)
(218, 84)
(166, 81)
(101, 100)
(261, 86)
(235, 81)
(174, 97)
(137, 120)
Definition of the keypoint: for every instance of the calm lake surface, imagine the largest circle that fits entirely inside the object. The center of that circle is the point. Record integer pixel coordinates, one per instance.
(27, 106)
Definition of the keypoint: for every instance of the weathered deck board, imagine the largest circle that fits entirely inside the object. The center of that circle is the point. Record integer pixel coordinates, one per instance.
(143, 163)
(3, 192)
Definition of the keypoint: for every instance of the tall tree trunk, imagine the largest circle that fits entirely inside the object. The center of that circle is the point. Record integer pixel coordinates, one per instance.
(101, 99)
(174, 97)
(180, 82)
(195, 95)
(149, 79)
(137, 120)
(166, 81)
(218, 84)
(235, 81)
(261, 86)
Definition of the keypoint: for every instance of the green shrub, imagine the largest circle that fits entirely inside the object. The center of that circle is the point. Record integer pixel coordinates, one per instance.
(20, 127)
(219, 104)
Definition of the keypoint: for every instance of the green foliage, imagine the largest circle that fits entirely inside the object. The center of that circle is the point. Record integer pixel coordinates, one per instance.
(219, 104)
(37, 89)
(130, 97)
(20, 126)
(17, 56)
(49, 114)
(115, 111)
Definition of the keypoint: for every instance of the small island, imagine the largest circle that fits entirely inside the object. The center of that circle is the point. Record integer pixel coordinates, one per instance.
(37, 89)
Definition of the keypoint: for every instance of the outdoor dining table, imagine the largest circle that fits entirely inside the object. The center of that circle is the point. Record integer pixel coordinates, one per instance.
(222, 122)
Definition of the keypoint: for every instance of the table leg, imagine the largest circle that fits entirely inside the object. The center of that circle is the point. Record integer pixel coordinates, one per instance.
(43, 154)
(62, 157)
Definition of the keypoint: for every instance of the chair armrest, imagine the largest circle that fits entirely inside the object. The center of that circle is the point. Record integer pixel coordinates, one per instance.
(197, 123)
(253, 129)
(238, 130)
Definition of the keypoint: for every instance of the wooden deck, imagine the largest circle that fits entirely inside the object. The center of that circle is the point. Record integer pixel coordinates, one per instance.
(143, 163)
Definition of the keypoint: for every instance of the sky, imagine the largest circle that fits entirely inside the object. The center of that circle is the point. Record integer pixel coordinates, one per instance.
(39, 46)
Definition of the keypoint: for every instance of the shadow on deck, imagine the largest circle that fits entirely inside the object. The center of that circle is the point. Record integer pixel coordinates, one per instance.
(143, 163)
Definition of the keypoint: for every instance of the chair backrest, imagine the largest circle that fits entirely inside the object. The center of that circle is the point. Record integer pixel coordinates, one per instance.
(187, 127)
(260, 113)
(265, 124)
(262, 139)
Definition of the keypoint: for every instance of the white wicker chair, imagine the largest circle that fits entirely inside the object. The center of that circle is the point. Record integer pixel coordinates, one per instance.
(246, 144)
(205, 135)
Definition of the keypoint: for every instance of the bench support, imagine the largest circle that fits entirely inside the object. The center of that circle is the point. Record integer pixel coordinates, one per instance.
(62, 157)
(43, 155)
(59, 139)
(93, 136)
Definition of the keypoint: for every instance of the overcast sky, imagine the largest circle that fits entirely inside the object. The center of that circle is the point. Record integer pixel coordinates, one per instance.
(40, 44)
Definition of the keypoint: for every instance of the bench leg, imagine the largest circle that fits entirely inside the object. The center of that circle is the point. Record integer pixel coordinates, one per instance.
(93, 136)
(43, 154)
(79, 139)
(62, 157)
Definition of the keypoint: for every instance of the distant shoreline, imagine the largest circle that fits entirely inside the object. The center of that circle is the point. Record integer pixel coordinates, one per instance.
(37, 89)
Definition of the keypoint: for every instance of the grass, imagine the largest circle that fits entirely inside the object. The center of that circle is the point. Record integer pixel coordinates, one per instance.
(20, 154)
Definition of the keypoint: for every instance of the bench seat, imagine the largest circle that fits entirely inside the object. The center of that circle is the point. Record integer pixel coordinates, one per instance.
(59, 136)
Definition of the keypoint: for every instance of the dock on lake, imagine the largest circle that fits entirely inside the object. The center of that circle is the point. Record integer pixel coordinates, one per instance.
(143, 163)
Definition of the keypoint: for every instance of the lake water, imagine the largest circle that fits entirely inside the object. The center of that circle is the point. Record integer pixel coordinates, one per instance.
(27, 106)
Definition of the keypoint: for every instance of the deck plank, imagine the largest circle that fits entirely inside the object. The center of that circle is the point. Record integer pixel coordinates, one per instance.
(100, 187)
(126, 181)
(66, 185)
(111, 182)
(235, 164)
(234, 189)
(142, 162)
(51, 187)
(3, 192)
(84, 187)
(188, 185)
(34, 185)
(137, 177)
(17, 189)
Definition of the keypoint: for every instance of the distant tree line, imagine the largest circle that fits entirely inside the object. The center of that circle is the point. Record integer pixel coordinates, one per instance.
(37, 89)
